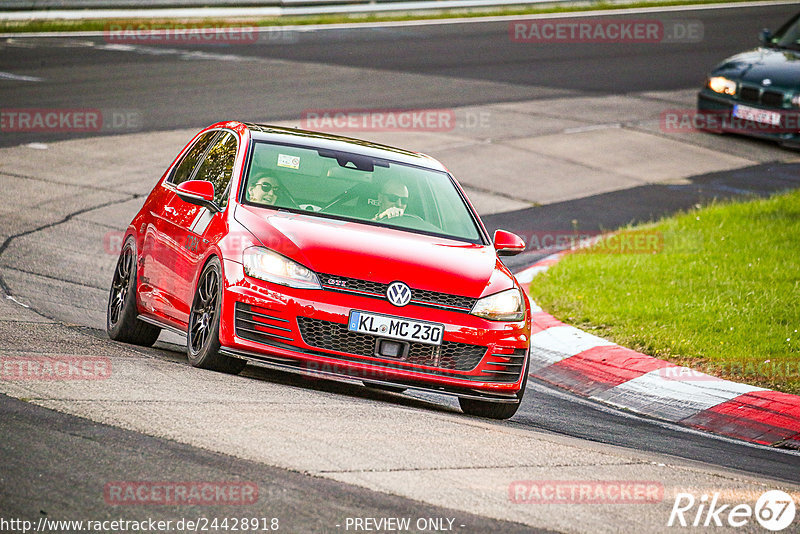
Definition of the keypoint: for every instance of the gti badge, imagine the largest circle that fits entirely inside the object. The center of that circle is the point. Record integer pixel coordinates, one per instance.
(766, 82)
(398, 294)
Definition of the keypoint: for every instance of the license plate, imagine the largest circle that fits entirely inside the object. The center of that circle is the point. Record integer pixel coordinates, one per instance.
(395, 327)
(756, 115)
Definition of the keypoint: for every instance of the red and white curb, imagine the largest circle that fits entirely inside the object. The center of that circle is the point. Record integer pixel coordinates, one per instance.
(593, 367)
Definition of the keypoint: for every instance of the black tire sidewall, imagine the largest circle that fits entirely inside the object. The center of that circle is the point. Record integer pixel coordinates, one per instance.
(207, 352)
(129, 312)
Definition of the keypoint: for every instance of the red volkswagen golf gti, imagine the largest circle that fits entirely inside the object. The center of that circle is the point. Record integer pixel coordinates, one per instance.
(315, 253)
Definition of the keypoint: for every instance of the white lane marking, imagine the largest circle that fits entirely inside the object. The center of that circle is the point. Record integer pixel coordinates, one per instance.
(12, 299)
(18, 77)
(657, 395)
(527, 275)
(182, 54)
(593, 128)
(560, 342)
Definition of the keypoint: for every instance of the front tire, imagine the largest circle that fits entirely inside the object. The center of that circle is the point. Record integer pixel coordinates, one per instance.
(202, 339)
(494, 410)
(122, 323)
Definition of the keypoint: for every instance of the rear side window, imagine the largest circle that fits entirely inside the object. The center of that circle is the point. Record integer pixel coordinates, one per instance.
(184, 170)
(217, 167)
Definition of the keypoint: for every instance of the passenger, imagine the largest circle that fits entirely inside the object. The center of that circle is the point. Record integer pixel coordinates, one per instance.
(264, 190)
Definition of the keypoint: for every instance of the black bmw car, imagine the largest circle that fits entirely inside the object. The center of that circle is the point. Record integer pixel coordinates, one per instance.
(757, 93)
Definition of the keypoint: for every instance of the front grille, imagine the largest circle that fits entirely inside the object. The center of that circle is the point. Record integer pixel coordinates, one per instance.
(378, 290)
(432, 297)
(328, 335)
(260, 324)
(749, 94)
(505, 367)
(754, 95)
(772, 98)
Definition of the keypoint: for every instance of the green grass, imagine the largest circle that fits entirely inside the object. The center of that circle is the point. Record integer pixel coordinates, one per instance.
(722, 296)
(101, 24)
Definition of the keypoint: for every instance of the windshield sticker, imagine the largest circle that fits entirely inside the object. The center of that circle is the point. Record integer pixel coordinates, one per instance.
(291, 162)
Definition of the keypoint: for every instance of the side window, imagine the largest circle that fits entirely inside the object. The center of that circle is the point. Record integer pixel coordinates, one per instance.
(217, 168)
(184, 170)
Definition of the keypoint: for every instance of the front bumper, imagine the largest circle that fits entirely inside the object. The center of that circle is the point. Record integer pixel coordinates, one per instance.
(720, 107)
(306, 330)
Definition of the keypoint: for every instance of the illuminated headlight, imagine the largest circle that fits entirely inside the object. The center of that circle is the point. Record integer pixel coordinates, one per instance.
(722, 85)
(267, 265)
(507, 305)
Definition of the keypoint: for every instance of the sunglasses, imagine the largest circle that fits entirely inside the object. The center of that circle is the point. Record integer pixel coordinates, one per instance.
(396, 198)
(267, 187)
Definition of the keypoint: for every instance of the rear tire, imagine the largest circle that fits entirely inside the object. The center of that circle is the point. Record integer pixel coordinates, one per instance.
(202, 338)
(494, 410)
(122, 323)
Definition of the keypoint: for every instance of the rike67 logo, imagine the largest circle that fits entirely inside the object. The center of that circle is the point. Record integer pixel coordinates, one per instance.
(774, 510)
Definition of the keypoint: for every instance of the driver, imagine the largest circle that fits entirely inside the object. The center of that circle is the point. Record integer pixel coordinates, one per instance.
(392, 201)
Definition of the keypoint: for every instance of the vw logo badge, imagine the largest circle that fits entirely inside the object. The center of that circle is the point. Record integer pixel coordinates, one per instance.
(398, 293)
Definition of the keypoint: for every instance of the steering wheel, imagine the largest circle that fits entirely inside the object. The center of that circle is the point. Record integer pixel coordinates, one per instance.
(415, 222)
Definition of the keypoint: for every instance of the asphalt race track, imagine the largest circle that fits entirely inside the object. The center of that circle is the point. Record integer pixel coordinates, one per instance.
(567, 129)
(404, 66)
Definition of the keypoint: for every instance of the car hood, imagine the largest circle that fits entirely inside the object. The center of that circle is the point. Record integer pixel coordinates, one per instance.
(378, 254)
(781, 67)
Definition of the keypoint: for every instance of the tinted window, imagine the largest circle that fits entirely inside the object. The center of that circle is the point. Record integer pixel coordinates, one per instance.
(788, 36)
(184, 170)
(349, 186)
(217, 167)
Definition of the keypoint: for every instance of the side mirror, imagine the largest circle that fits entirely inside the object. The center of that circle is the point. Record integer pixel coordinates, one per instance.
(508, 244)
(199, 193)
(765, 36)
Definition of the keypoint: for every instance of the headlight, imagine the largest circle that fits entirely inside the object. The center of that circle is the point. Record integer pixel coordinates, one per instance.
(267, 265)
(508, 305)
(796, 101)
(722, 85)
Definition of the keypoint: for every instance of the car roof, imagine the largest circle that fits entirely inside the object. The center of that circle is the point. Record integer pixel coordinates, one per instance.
(279, 134)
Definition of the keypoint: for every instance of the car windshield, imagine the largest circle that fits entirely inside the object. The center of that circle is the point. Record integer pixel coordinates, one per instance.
(788, 36)
(351, 186)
